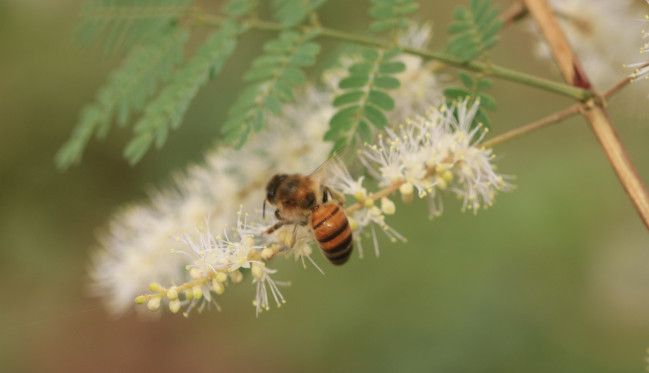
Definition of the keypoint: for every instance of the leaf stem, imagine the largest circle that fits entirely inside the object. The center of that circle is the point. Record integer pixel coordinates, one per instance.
(488, 69)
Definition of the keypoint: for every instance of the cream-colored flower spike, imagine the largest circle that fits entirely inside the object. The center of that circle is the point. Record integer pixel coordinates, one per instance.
(431, 154)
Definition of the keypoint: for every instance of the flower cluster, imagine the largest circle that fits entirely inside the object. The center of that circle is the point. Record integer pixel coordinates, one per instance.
(197, 240)
(436, 152)
(429, 154)
(141, 244)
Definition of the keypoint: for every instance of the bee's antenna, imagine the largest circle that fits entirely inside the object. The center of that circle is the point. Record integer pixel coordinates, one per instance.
(263, 210)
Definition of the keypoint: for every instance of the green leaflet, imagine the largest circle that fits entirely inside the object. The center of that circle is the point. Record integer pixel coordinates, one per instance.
(473, 90)
(364, 100)
(474, 30)
(292, 12)
(124, 23)
(391, 15)
(126, 91)
(272, 79)
(239, 8)
(167, 110)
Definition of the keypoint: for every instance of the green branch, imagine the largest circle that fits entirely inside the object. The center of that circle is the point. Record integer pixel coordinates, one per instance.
(487, 69)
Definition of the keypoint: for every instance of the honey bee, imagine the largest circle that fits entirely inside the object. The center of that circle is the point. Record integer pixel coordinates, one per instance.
(305, 200)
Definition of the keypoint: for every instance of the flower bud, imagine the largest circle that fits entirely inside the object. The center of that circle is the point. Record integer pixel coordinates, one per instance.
(217, 287)
(195, 273)
(140, 299)
(174, 306)
(368, 202)
(353, 224)
(156, 287)
(221, 277)
(172, 293)
(236, 277)
(153, 304)
(407, 191)
(267, 253)
(441, 183)
(197, 292)
(257, 270)
(447, 176)
(387, 206)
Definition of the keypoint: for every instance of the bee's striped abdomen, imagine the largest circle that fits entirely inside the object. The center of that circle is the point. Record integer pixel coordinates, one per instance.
(331, 230)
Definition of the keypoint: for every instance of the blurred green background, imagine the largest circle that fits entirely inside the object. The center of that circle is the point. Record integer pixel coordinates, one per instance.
(554, 278)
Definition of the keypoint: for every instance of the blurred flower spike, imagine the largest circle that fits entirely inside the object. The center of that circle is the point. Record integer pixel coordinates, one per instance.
(642, 68)
(428, 155)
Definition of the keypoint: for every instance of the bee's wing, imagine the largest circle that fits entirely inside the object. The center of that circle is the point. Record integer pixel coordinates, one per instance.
(327, 168)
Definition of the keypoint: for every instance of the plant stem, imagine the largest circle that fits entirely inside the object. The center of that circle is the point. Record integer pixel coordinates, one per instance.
(533, 126)
(596, 114)
(515, 12)
(555, 117)
(485, 68)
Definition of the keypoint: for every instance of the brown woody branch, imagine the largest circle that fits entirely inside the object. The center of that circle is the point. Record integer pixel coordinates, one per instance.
(596, 114)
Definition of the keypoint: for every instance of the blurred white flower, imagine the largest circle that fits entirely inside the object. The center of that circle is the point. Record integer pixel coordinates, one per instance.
(605, 34)
(142, 245)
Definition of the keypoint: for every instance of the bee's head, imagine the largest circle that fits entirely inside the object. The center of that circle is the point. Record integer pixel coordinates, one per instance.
(272, 186)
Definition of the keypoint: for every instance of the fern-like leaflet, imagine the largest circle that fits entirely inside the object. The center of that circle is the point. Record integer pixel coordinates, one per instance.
(292, 12)
(364, 99)
(474, 90)
(127, 91)
(391, 15)
(124, 23)
(166, 111)
(474, 30)
(273, 76)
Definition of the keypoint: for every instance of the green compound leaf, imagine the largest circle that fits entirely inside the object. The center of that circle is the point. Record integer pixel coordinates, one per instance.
(474, 90)
(272, 79)
(292, 12)
(167, 110)
(128, 89)
(474, 30)
(391, 15)
(124, 23)
(239, 8)
(364, 100)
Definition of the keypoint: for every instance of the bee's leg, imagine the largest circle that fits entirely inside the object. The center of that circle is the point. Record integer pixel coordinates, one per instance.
(280, 223)
(276, 226)
(293, 237)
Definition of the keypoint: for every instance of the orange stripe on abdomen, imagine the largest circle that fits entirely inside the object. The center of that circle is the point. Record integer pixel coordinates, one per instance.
(331, 230)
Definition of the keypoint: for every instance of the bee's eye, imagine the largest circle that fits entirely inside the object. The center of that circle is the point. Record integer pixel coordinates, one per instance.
(272, 186)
